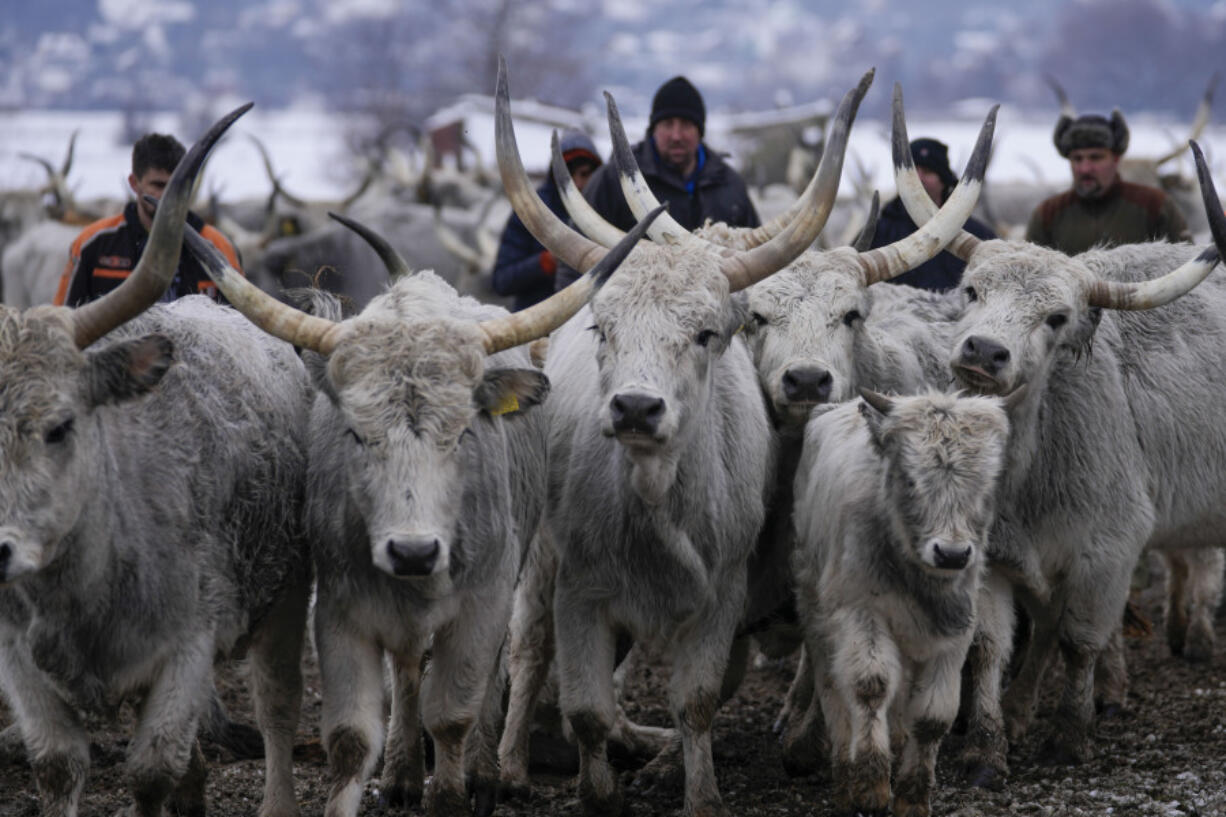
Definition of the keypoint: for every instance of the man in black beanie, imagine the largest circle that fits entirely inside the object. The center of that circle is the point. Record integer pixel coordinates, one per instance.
(680, 169)
(945, 270)
(1101, 210)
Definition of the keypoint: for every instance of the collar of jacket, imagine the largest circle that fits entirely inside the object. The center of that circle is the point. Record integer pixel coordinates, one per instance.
(710, 171)
(132, 217)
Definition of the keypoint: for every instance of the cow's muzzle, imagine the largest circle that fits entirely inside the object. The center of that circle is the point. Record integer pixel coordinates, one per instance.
(951, 557)
(637, 413)
(807, 384)
(413, 555)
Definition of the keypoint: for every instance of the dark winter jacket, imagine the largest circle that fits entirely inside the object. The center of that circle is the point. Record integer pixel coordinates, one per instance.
(718, 192)
(524, 268)
(106, 252)
(1126, 214)
(939, 273)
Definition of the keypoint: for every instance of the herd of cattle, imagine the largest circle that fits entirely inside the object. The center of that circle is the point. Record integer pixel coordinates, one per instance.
(722, 420)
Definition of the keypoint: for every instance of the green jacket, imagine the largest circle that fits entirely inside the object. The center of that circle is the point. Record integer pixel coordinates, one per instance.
(1127, 214)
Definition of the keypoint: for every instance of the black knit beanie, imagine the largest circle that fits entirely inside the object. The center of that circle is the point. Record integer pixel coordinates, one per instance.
(934, 156)
(1091, 131)
(678, 97)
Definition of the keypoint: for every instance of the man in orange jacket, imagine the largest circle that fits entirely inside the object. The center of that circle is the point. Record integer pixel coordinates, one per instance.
(106, 251)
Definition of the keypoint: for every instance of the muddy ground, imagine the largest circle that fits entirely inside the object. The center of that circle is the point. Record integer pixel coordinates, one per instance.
(1165, 756)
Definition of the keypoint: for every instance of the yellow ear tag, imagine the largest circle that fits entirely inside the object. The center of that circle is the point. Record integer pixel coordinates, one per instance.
(509, 404)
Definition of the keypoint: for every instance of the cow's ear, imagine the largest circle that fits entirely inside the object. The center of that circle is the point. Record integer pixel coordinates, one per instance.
(504, 391)
(128, 369)
(874, 408)
(740, 315)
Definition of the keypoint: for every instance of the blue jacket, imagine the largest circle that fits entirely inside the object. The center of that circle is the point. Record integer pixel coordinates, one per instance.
(937, 274)
(518, 270)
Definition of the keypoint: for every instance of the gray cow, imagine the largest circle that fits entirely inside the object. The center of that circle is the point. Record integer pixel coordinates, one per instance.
(817, 331)
(426, 479)
(895, 498)
(652, 388)
(1111, 451)
(150, 507)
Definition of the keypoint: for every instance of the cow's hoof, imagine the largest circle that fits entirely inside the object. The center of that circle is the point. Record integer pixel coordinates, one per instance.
(1064, 752)
(905, 808)
(485, 798)
(985, 776)
(601, 804)
(446, 803)
(399, 795)
(514, 791)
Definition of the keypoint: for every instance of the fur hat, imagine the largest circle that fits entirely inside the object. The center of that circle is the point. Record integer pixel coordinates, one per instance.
(1091, 131)
(934, 156)
(678, 97)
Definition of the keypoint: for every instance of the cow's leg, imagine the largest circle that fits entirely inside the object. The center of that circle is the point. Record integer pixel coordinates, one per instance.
(804, 736)
(1111, 675)
(276, 676)
(586, 646)
(528, 658)
(1021, 698)
(984, 756)
(866, 670)
(1193, 594)
(798, 694)
(698, 684)
(931, 708)
(55, 741)
(161, 747)
(481, 750)
(351, 720)
(404, 770)
(465, 655)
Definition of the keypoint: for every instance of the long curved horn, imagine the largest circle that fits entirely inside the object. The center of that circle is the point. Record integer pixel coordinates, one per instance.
(363, 186)
(945, 226)
(394, 261)
(572, 248)
(540, 319)
(589, 222)
(158, 262)
(1066, 107)
(816, 201)
(72, 146)
(1163, 290)
(453, 244)
(1198, 124)
(277, 319)
(56, 181)
(915, 198)
(864, 241)
(766, 232)
(272, 176)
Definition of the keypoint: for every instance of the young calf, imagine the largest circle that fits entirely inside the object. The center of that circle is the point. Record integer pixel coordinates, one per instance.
(894, 499)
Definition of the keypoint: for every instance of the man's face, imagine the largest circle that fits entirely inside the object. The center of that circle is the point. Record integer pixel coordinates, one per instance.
(581, 172)
(151, 183)
(1094, 170)
(677, 141)
(932, 183)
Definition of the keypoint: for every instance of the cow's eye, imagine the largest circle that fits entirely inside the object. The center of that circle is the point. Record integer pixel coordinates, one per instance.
(705, 337)
(598, 331)
(759, 319)
(851, 317)
(1057, 320)
(971, 294)
(59, 433)
(353, 435)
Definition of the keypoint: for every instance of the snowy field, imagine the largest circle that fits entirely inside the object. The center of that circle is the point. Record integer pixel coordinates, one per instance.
(309, 152)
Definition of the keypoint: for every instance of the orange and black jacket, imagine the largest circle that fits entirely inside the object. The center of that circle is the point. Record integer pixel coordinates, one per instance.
(106, 252)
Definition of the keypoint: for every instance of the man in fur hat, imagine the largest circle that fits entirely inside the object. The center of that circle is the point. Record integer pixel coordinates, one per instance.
(1101, 210)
